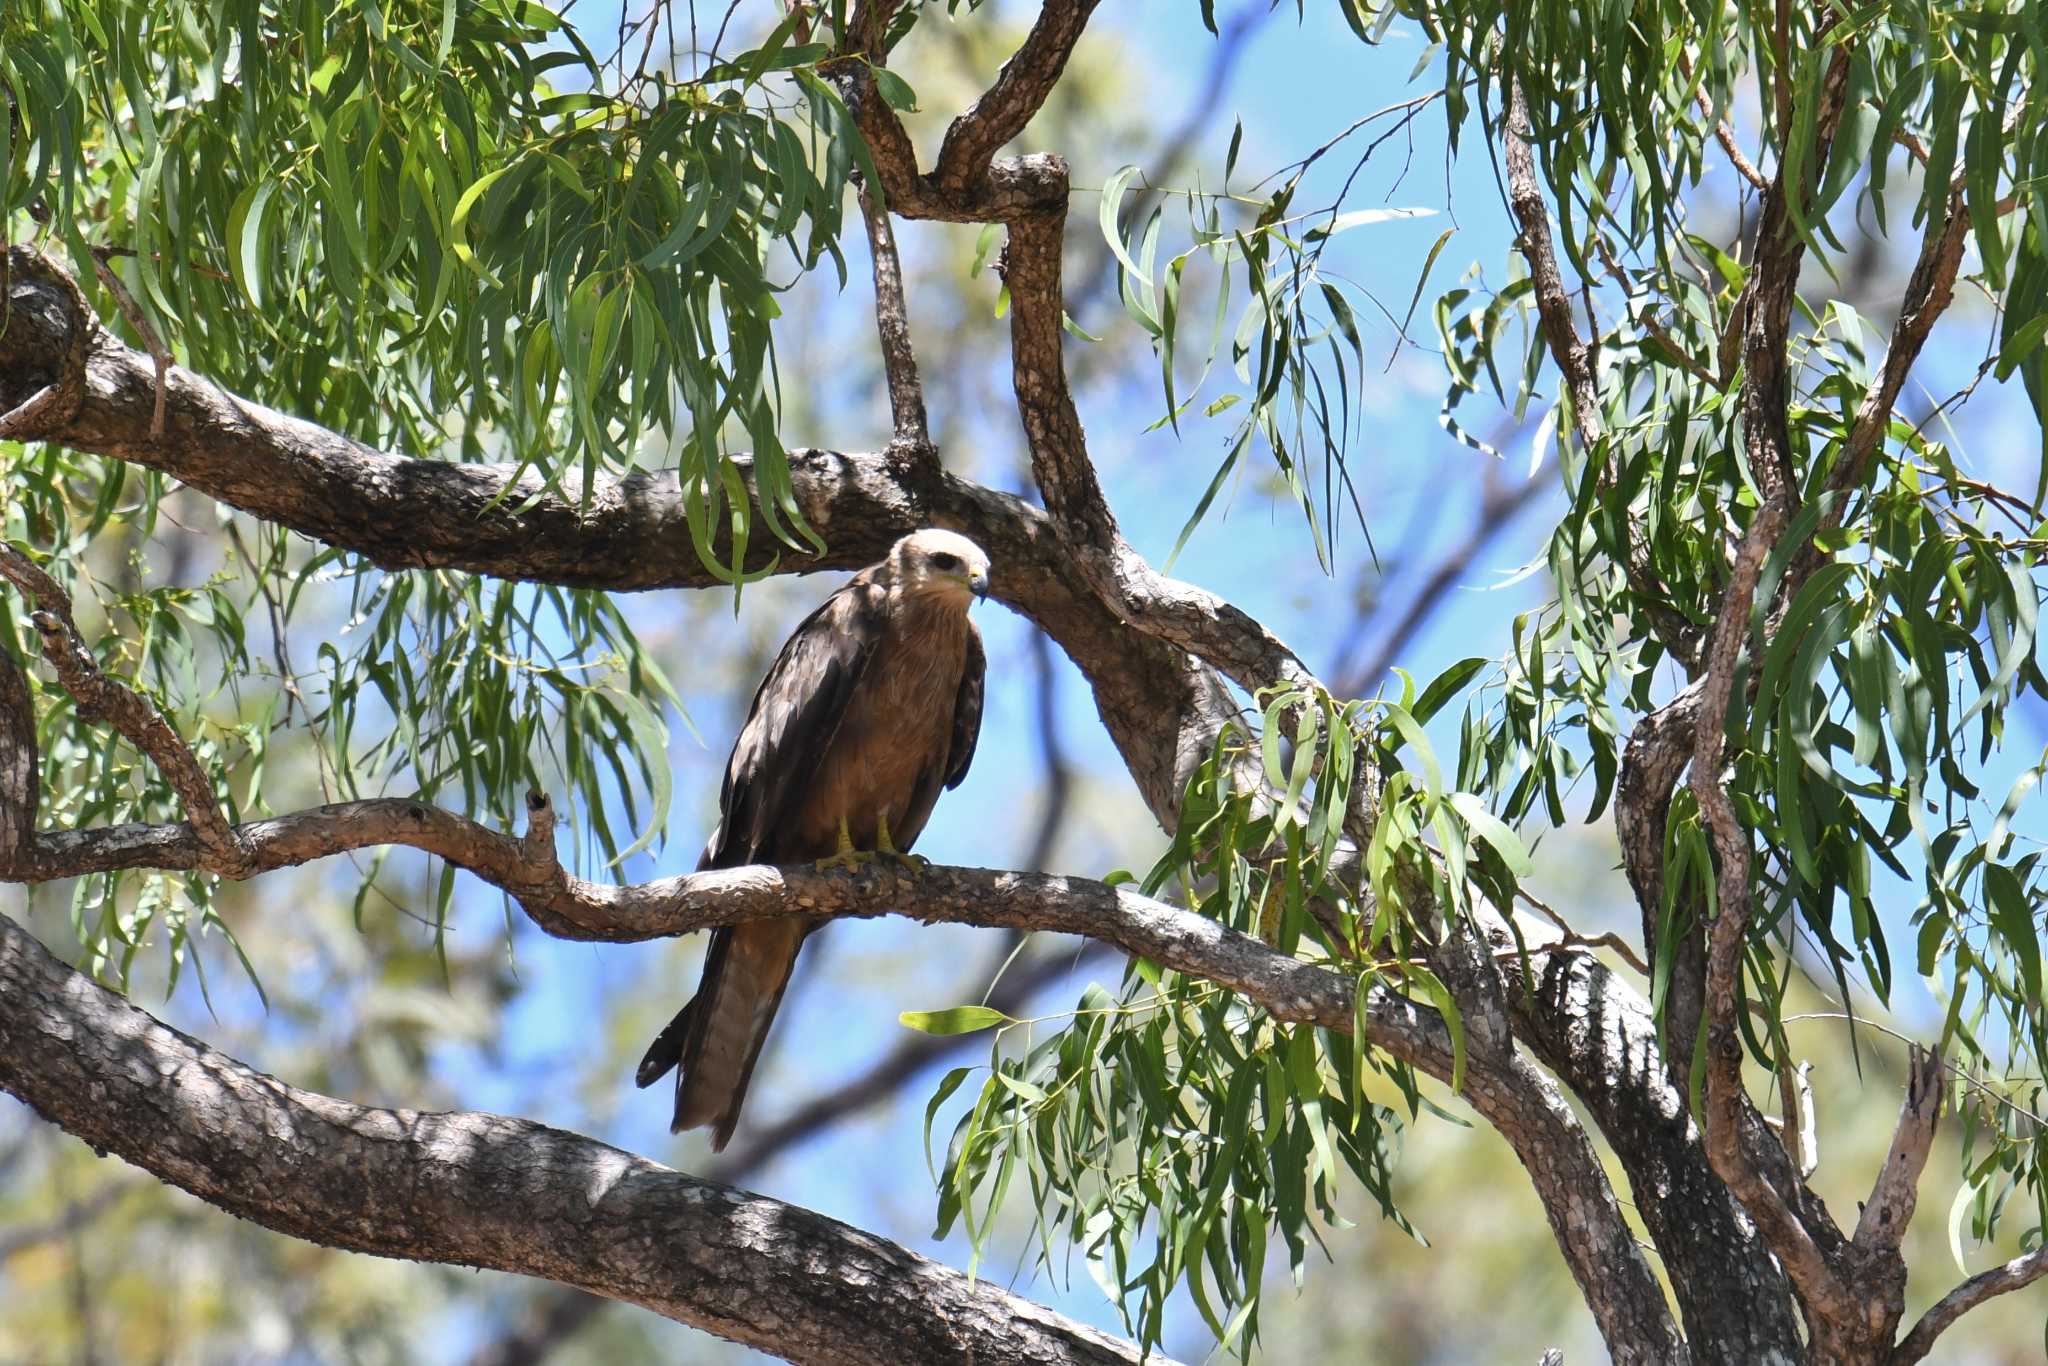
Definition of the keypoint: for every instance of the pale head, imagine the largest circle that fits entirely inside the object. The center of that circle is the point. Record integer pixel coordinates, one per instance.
(943, 564)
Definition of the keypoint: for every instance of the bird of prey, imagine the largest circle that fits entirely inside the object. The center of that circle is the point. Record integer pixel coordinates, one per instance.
(872, 706)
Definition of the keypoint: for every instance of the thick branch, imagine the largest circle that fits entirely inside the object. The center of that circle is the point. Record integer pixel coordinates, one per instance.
(628, 533)
(20, 778)
(1657, 752)
(483, 1190)
(1019, 90)
(1789, 1238)
(2016, 1274)
(1596, 1032)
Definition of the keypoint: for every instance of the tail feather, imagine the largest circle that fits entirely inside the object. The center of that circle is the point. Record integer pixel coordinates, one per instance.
(717, 1038)
(667, 1049)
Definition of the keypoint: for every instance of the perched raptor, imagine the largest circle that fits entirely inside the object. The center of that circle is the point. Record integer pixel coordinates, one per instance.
(872, 706)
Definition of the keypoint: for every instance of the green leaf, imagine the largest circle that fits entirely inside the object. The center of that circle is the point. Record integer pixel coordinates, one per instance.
(1108, 210)
(1447, 1006)
(1494, 832)
(953, 1020)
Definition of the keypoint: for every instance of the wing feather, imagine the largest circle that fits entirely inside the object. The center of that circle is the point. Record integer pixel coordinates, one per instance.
(795, 714)
(967, 710)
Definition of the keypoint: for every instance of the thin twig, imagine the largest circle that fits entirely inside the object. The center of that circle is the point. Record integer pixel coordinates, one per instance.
(159, 354)
(892, 322)
(1574, 938)
(2016, 1274)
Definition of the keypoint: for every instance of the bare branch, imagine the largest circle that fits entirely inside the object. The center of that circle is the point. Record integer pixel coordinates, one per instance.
(1889, 1210)
(1929, 290)
(569, 907)
(484, 1190)
(20, 764)
(1020, 88)
(1597, 1033)
(159, 354)
(566, 1312)
(1725, 135)
(49, 313)
(1574, 359)
(1553, 303)
(2017, 1274)
(1052, 425)
(622, 534)
(892, 322)
(1656, 754)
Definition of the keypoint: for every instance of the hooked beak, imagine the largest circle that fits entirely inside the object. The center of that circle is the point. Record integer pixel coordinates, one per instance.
(977, 584)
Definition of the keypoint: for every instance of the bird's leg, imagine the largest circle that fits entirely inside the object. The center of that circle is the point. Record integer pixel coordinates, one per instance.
(847, 856)
(886, 848)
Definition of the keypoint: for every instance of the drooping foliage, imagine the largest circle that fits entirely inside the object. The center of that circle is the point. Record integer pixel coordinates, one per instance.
(1894, 634)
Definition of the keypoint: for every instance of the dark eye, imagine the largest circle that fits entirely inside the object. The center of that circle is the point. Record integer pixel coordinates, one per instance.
(944, 561)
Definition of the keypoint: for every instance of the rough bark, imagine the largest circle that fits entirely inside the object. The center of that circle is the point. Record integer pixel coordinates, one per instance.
(483, 1190)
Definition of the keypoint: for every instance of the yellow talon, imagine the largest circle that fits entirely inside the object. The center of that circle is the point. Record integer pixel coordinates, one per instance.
(886, 848)
(847, 856)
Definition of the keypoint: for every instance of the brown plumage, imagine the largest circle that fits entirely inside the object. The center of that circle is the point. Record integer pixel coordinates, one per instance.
(872, 706)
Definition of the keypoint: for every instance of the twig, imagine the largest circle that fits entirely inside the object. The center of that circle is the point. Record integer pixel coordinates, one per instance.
(892, 322)
(159, 354)
(1726, 136)
(1574, 939)
(1649, 324)
(2016, 1274)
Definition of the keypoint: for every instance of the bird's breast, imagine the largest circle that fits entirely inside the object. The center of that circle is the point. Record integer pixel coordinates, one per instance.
(889, 754)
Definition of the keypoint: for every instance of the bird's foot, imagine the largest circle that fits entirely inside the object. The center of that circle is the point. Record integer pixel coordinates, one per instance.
(849, 858)
(885, 848)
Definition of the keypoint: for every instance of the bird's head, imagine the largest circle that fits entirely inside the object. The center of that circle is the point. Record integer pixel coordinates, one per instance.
(942, 563)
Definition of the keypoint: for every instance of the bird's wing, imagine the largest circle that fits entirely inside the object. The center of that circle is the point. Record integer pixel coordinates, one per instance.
(794, 716)
(967, 710)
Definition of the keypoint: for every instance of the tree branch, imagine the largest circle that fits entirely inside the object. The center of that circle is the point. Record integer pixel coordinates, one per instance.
(1597, 1033)
(1020, 89)
(627, 533)
(483, 1190)
(1882, 1225)
(138, 721)
(2016, 1274)
(892, 322)
(1789, 1238)
(1574, 361)
(20, 765)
